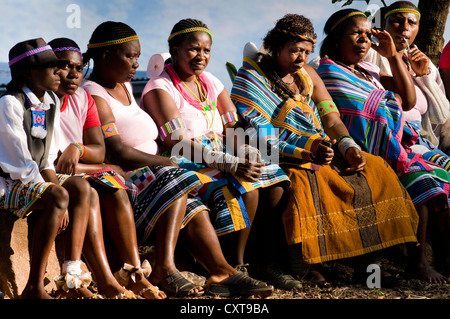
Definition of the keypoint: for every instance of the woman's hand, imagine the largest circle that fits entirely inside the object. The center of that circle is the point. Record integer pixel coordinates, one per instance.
(68, 160)
(250, 171)
(356, 159)
(419, 61)
(386, 46)
(324, 154)
(64, 222)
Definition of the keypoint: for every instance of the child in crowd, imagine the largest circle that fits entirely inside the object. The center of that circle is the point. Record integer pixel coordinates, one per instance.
(28, 182)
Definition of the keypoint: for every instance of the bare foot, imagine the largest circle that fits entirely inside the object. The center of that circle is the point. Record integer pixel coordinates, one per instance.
(426, 273)
(80, 293)
(145, 289)
(35, 293)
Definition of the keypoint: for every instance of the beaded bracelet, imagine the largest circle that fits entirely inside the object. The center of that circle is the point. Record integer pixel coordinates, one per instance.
(229, 117)
(342, 137)
(81, 148)
(170, 127)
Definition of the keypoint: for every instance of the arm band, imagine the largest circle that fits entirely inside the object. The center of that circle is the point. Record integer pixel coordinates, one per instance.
(229, 117)
(81, 148)
(170, 126)
(346, 143)
(326, 107)
(109, 130)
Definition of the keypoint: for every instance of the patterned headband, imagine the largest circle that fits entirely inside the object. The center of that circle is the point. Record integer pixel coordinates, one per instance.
(298, 35)
(29, 53)
(351, 14)
(195, 29)
(112, 42)
(68, 49)
(402, 10)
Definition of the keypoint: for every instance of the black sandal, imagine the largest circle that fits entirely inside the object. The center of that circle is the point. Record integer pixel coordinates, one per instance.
(178, 285)
(240, 284)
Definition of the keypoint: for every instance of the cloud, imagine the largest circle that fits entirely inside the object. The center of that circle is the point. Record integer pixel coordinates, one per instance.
(233, 22)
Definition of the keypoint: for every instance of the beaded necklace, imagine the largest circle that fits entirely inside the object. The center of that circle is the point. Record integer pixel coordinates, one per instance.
(211, 107)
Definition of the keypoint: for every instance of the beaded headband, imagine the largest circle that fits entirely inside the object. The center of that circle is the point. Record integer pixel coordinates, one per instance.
(351, 14)
(195, 29)
(402, 10)
(29, 53)
(112, 42)
(68, 49)
(297, 35)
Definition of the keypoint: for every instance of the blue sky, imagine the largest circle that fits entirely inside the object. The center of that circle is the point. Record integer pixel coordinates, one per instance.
(232, 22)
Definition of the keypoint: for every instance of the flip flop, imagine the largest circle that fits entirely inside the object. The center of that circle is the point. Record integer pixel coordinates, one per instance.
(240, 284)
(176, 284)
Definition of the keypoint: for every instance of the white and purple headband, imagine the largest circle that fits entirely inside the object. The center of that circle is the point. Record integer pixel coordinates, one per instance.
(29, 53)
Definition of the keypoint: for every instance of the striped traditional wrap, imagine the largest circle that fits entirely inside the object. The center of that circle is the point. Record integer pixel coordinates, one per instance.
(374, 119)
(332, 213)
(293, 127)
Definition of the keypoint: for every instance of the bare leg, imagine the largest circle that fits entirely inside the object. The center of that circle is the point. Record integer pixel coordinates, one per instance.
(119, 220)
(234, 244)
(421, 268)
(204, 246)
(167, 232)
(95, 254)
(79, 210)
(46, 222)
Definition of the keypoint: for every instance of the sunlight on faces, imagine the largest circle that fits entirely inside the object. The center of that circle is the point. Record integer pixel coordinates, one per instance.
(403, 27)
(71, 73)
(192, 55)
(355, 41)
(293, 56)
(124, 60)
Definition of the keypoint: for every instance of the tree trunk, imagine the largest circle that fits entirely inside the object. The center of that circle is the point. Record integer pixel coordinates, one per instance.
(430, 39)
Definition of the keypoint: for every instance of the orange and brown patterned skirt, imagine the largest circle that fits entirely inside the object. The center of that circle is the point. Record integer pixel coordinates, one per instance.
(335, 214)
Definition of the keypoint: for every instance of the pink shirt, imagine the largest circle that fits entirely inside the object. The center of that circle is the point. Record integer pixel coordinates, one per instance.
(136, 128)
(197, 122)
(78, 113)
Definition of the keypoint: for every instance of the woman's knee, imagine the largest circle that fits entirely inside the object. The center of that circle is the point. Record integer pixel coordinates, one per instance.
(57, 196)
(78, 188)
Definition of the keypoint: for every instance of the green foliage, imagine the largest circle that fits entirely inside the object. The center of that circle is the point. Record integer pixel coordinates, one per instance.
(232, 71)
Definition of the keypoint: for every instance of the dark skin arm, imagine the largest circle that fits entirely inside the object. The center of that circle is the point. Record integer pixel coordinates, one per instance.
(401, 82)
(164, 109)
(128, 158)
(333, 127)
(69, 161)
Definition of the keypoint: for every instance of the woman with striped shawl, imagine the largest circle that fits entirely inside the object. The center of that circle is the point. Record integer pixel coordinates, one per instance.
(371, 105)
(342, 202)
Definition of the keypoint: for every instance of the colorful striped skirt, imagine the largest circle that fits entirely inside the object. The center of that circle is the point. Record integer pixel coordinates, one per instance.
(425, 185)
(335, 214)
(158, 187)
(19, 197)
(224, 195)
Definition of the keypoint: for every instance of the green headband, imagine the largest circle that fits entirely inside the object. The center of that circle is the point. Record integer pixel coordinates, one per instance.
(402, 10)
(195, 29)
(351, 14)
(112, 42)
